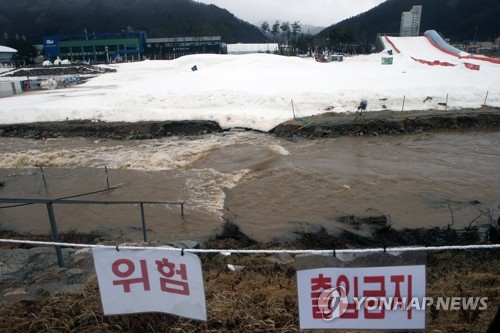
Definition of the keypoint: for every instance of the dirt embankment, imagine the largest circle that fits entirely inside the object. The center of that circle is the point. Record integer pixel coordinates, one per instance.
(324, 125)
(60, 70)
(116, 131)
(388, 122)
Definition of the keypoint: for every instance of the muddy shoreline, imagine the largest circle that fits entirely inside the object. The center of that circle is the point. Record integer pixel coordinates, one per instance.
(320, 126)
(389, 122)
(104, 130)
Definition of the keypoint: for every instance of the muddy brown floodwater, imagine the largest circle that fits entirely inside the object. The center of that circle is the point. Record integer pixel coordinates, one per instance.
(271, 187)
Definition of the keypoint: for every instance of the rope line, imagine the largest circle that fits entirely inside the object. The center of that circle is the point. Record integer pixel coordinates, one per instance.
(268, 251)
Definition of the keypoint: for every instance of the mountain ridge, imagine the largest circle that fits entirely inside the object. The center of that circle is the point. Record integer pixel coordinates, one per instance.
(458, 20)
(159, 18)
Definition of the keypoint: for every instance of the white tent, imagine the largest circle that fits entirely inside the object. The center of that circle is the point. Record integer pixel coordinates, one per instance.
(242, 48)
(6, 53)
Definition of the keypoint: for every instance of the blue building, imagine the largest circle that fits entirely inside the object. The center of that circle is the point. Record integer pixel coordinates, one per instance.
(101, 47)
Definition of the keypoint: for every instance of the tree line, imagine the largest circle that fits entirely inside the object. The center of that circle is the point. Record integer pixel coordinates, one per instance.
(289, 36)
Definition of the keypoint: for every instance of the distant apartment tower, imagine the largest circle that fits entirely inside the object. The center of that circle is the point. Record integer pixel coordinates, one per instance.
(410, 22)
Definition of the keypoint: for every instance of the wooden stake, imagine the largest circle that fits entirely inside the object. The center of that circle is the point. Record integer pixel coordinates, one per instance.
(293, 111)
(403, 107)
(486, 98)
(446, 104)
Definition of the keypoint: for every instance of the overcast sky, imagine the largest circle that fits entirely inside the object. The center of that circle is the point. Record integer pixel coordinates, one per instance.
(315, 12)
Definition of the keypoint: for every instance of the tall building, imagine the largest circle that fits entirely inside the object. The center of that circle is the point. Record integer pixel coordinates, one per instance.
(410, 22)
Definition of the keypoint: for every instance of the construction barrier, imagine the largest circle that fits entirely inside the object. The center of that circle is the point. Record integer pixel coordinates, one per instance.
(10, 88)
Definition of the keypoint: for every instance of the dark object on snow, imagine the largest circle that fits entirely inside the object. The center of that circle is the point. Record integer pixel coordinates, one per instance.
(194, 68)
(362, 106)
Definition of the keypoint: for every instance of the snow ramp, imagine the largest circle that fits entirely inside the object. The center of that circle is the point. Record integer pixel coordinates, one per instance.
(432, 50)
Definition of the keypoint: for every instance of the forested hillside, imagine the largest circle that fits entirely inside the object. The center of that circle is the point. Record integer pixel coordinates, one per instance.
(458, 20)
(31, 19)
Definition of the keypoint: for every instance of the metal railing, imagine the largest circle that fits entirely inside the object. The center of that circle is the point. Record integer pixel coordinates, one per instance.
(16, 202)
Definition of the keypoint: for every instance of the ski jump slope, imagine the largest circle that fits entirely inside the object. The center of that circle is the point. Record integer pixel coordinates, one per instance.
(432, 50)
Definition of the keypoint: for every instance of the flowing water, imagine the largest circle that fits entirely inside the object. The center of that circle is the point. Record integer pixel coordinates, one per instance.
(271, 187)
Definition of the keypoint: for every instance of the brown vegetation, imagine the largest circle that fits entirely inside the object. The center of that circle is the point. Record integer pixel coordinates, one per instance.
(263, 297)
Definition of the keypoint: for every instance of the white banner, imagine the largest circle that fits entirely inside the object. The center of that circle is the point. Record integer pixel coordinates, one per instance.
(135, 281)
(390, 297)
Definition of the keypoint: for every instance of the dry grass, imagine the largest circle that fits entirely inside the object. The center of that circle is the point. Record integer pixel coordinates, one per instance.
(263, 296)
(464, 274)
(260, 298)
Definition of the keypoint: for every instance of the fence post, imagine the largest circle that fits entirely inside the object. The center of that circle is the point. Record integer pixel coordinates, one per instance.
(42, 177)
(144, 232)
(106, 179)
(403, 107)
(486, 98)
(55, 234)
